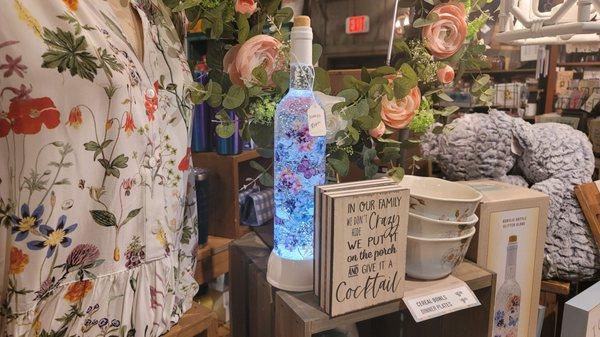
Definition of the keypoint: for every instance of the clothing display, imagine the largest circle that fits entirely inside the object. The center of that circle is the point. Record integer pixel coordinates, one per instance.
(97, 208)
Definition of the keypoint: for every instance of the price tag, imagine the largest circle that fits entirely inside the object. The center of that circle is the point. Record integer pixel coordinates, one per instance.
(440, 302)
(316, 121)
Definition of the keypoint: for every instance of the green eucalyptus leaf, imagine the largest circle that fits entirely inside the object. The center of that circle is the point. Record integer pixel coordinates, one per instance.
(254, 91)
(261, 134)
(322, 82)
(409, 73)
(362, 108)
(443, 96)
(235, 97)
(260, 75)
(243, 27)
(422, 22)
(216, 94)
(282, 80)
(216, 29)
(349, 94)
(340, 162)
(317, 51)
(255, 165)
(368, 156)
(401, 87)
(354, 134)
(364, 75)
(383, 71)
(265, 152)
(283, 15)
(266, 179)
(352, 82)
(396, 173)
(225, 129)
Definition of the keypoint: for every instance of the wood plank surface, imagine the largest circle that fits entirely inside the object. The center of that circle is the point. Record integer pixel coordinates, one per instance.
(589, 200)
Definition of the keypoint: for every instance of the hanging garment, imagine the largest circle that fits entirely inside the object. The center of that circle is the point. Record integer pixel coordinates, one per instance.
(96, 222)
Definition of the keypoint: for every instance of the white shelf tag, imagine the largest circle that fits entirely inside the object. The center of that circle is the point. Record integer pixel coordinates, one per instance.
(316, 121)
(440, 302)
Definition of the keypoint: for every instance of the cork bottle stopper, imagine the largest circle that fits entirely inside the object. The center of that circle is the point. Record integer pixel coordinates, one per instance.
(512, 238)
(302, 21)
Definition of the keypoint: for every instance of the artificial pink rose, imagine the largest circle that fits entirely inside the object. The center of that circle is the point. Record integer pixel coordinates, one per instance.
(229, 65)
(260, 50)
(446, 74)
(445, 37)
(378, 131)
(398, 113)
(245, 6)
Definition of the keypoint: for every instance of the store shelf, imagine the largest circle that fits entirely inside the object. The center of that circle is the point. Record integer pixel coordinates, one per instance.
(578, 64)
(502, 72)
(280, 313)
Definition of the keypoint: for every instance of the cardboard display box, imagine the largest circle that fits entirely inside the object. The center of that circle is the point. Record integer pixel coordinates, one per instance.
(510, 239)
(582, 314)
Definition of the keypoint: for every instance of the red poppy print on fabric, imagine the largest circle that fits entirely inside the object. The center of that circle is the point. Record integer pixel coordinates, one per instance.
(28, 115)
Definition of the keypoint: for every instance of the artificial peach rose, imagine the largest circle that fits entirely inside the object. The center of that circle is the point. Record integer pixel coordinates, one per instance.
(445, 37)
(245, 6)
(446, 74)
(229, 65)
(378, 131)
(260, 50)
(398, 113)
(77, 290)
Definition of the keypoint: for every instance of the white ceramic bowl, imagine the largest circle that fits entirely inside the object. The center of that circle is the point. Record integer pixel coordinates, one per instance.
(441, 199)
(425, 227)
(431, 259)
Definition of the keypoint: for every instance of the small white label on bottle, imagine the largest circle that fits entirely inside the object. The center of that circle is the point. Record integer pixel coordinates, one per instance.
(440, 302)
(316, 121)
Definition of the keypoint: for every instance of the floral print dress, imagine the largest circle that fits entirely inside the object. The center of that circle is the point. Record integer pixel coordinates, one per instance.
(96, 209)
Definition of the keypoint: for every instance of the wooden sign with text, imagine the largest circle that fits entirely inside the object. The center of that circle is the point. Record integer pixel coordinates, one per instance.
(367, 248)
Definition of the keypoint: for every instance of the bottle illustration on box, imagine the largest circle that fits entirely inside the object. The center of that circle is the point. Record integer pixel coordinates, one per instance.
(508, 297)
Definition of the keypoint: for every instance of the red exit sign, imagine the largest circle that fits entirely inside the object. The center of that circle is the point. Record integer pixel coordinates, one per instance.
(357, 24)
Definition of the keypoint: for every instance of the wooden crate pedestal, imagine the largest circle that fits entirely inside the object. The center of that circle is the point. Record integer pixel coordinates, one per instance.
(259, 310)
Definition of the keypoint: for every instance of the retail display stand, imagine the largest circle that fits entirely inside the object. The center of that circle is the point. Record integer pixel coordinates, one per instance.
(227, 174)
(259, 310)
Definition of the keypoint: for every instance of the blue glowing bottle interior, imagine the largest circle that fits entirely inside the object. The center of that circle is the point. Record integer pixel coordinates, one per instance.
(299, 166)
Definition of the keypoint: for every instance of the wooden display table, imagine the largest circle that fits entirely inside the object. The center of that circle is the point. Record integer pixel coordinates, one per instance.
(259, 310)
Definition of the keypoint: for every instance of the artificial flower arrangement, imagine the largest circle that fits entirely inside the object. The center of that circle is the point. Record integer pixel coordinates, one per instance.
(248, 56)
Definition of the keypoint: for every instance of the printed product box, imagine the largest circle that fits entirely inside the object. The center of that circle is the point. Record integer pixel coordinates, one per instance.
(582, 314)
(510, 241)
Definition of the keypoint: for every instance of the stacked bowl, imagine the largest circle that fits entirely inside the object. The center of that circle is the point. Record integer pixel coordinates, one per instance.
(440, 227)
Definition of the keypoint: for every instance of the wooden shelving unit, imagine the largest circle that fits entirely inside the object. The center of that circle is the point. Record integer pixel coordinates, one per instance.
(261, 310)
(212, 260)
(226, 175)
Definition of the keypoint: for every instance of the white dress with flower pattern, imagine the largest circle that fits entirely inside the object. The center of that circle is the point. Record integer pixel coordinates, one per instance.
(96, 206)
